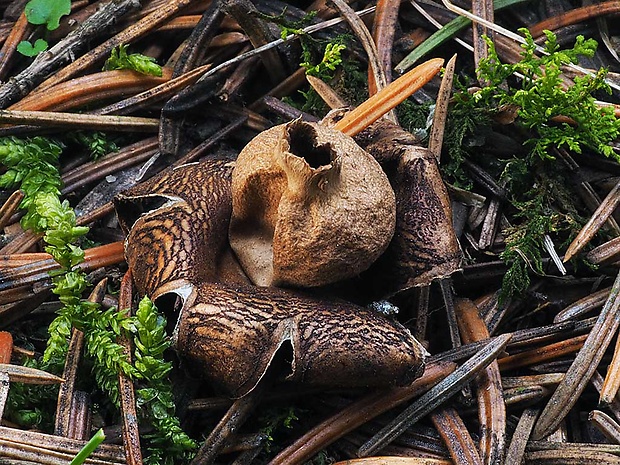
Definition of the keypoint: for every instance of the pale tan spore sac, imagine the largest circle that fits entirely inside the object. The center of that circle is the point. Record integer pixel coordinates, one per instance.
(310, 207)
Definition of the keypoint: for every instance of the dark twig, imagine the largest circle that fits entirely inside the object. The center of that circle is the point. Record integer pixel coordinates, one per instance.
(244, 12)
(195, 47)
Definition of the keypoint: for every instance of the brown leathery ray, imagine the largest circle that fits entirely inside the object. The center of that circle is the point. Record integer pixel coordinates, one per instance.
(424, 246)
(231, 334)
(310, 207)
(177, 226)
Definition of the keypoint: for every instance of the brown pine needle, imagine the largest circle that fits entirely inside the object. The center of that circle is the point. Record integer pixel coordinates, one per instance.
(491, 407)
(6, 347)
(18, 31)
(80, 121)
(575, 15)
(607, 425)
(377, 73)
(455, 436)
(63, 51)
(357, 414)
(614, 406)
(127, 36)
(605, 209)
(10, 207)
(521, 436)
(546, 379)
(583, 306)
(85, 90)
(31, 446)
(542, 354)
(440, 393)
(396, 461)
(22, 374)
(131, 433)
(379, 104)
(612, 379)
(66, 393)
(383, 32)
(606, 253)
(483, 9)
(325, 91)
(435, 140)
(31, 267)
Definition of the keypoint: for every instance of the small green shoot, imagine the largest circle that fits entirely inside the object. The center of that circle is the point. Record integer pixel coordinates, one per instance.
(120, 59)
(327, 66)
(32, 165)
(43, 12)
(47, 12)
(88, 448)
(31, 50)
(96, 142)
(276, 424)
(288, 28)
(442, 35)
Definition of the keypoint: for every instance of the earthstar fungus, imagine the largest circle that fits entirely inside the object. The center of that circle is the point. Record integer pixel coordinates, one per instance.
(304, 205)
(233, 331)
